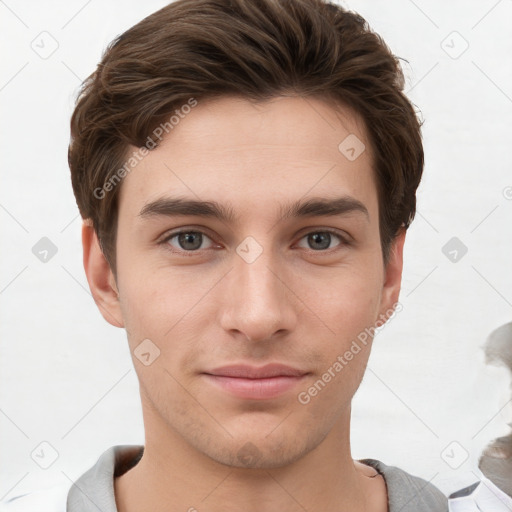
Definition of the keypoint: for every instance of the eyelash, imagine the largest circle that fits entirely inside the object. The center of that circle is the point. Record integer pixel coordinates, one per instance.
(343, 241)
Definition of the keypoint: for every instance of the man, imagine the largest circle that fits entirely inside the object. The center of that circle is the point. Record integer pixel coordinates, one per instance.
(275, 139)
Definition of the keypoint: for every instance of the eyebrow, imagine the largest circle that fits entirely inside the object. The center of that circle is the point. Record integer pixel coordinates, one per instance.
(312, 207)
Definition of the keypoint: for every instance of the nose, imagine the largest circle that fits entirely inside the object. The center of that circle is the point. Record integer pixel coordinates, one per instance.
(258, 303)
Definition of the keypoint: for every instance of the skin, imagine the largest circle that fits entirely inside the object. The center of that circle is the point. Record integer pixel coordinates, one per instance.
(294, 304)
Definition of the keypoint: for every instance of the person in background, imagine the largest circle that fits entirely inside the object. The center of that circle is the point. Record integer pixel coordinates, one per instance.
(493, 493)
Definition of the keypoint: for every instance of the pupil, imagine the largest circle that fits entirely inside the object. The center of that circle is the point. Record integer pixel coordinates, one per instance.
(185, 238)
(317, 237)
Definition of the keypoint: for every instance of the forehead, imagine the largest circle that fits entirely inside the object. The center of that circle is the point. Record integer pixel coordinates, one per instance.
(255, 156)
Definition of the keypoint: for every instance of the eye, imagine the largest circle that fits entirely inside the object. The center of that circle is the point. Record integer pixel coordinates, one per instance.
(186, 241)
(321, 240)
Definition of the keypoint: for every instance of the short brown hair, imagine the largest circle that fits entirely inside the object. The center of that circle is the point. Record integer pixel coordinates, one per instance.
(256, 49)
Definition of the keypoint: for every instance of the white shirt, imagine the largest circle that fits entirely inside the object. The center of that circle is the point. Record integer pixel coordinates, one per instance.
(482, 496)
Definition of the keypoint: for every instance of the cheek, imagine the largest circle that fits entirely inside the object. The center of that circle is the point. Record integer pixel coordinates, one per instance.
(149, 295)
(346, 302)
(166, 308)
(346, 312)
(331, 391)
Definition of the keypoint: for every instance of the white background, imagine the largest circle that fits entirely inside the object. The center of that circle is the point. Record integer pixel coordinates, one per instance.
(66, 375)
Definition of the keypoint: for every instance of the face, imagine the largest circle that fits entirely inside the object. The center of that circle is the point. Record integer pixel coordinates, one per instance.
(254, 278)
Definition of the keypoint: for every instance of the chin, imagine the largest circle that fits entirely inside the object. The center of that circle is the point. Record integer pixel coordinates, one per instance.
(256, 452)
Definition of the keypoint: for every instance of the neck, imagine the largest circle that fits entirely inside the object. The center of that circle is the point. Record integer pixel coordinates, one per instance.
(173, 476)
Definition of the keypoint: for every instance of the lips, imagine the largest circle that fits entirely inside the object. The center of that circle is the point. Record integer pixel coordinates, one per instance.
(253, 372)
(250, 382)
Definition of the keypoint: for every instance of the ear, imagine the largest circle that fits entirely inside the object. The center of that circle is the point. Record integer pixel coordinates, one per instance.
(393, 274)
(100, 277)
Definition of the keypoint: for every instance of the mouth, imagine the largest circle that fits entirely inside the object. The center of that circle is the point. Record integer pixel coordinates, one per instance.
(255, 383)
